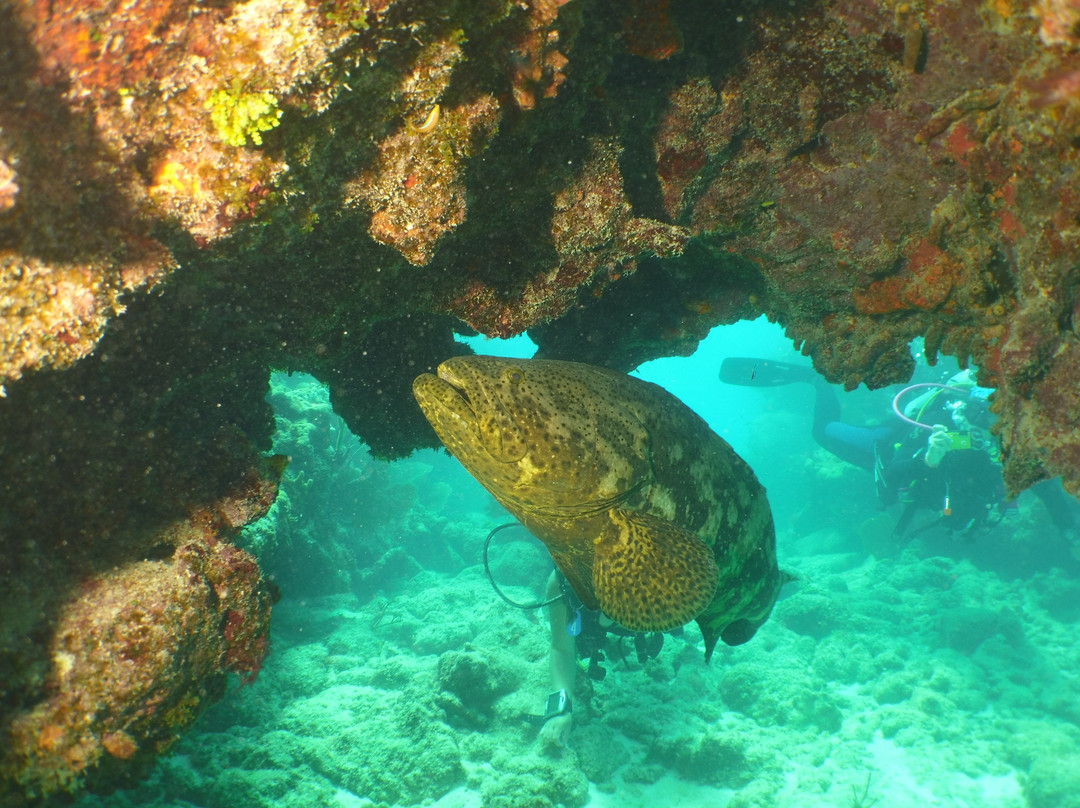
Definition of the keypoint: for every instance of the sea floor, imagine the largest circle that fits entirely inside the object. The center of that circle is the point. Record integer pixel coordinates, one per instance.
(900, 679)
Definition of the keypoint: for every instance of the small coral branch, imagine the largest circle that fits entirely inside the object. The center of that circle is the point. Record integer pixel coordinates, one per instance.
(863, 800)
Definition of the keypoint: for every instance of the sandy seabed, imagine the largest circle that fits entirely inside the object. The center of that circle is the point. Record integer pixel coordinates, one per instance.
(903, 681)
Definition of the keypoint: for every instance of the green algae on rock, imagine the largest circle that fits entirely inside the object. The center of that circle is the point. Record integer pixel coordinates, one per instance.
(240, 116)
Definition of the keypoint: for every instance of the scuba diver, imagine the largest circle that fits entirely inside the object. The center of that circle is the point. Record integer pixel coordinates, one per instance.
(576, 633)
(948, 461)
(937, 455)
(586, 634)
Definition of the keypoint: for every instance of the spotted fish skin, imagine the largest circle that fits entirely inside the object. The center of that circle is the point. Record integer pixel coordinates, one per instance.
(648, 512)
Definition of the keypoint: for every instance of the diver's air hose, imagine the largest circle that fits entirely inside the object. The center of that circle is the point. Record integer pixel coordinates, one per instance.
(491, 578)
(942, 388)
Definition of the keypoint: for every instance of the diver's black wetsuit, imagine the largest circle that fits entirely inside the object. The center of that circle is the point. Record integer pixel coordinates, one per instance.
(965, 488)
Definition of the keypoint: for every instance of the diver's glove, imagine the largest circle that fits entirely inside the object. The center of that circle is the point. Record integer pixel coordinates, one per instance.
(937, 446)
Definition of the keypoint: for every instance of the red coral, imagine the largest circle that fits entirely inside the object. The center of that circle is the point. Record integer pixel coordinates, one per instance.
(649, 31)
(959, 142)
(925, 283)
(247, 645)
(695, 128)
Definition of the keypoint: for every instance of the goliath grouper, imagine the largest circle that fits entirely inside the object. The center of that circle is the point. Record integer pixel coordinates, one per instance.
(649, 514)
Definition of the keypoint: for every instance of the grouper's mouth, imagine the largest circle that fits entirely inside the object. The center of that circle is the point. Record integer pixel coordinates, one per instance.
(446, 406)
(467, 415)
(447, 375)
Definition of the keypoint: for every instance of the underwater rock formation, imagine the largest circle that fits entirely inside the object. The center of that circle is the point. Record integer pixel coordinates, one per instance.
(864, 173)
(193, 194)
(135, 652)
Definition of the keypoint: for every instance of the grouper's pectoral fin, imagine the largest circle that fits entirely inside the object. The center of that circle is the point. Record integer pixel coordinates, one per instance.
(650, 574)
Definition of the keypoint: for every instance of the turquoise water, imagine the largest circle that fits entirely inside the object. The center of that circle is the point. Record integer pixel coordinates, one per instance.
(937, 671)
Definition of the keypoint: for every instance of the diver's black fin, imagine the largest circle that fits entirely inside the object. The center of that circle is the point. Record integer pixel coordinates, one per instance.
(750, 372)
(711, 635)
(735, 633)
(904, 522)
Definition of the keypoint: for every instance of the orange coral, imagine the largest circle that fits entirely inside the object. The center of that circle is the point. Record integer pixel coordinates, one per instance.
(536, 66)
(119, 744)
(1059, 21)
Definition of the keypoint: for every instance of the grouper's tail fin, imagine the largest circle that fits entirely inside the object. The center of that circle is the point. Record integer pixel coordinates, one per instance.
(739, 631)
(735, 633)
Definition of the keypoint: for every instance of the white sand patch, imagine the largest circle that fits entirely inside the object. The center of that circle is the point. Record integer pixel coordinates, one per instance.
(346, 799)
(459, 798)
(901, 787)
(668, 791)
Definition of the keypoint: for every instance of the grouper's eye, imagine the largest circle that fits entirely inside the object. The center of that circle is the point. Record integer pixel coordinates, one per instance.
(514, 375)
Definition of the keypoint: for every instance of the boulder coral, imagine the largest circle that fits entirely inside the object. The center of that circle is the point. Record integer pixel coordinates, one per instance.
(194, 194)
